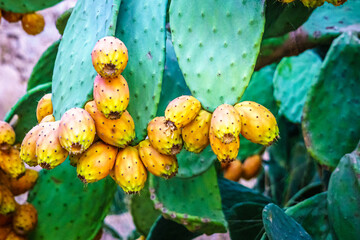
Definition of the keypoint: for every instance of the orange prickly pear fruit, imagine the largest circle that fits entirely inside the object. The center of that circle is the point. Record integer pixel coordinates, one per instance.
(8, 204)
(129, 171)
(119, 132)
(162, 138)
(4, 231)
(13, 236)
(11, 16)
(28, 145)
(258, 123)
(96, 162)
(7, 136)
(196, 133)
(4, 220)
(224, 152)
(49, 152)
(181, 111)
(111, 96)
(24, 183)
(48, 118)
(224, 165)
(160, 165)
(74, 159)
(226, 123)
(44, 107)
(312, 3)
(251, 167)
(76, 130)
(11, 163)
(233, 171)
(336, 2)
(109, 57)
(25, 219)
(33, 23)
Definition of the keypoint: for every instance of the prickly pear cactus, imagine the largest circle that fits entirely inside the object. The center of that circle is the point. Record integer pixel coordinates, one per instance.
(205, 33)
(25, 6)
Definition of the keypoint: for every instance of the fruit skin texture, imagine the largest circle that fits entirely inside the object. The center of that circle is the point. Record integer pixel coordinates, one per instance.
(48, 118)
(182, 110)
(233, 171)
(4, 220)
(49, 152)
(160, 165)
(13, 236)
(129, 171)
(11, 16)
(74, 159)
(7, 136)
(224, 152)
(76, 131)
(196, 133)
(96, 162)
(8, 204)
(226, 123)
(44, 107)
(312, 3)
(111, 96)
(24, 183)
(28, 145)
(33, 23)
(119, 132)
(258, 124)
(162, 138)
(251, 167)
(109, 57)
(25, 219)
(4, 231)
(11, 163)
(336, 2)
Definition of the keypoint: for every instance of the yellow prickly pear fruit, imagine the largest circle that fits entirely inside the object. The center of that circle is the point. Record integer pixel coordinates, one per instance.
(49, 152)
(25, 219)
(162, 138)
(233, 171)
(196, 133)
(160, 165)
(129, 171)
(44, 107)
(251, 167)
(24, 183)
(76, 131)
(226, 123)
(119, 132)
(312, 3)
(13, 236)
(11, 163)
(4, 231)
(8, 204)
(48, 118)
(7, 136)
(33, 23)
(258, 124)
(96, 162)
(28, 145)
(111, 96)
(225, 152)
(11, 16)
(336, 2)
(109, 57)
(181, 111)
(74, 159)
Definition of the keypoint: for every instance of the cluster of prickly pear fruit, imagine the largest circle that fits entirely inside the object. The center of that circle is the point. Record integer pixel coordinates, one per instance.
(247, 170)
(316, 3)
(32, 23)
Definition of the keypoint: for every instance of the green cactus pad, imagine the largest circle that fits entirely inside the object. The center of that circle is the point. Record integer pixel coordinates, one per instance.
(193, 202)
(306, 192)
(141, 26)
(68, 209)
(25, 109)
(74, 73)
(62, 20)
(292, 80)
(344, 197)
(331, 125)
(312, 214)
(279, 226)
(43, 70)
(217, 44)
(26, 6)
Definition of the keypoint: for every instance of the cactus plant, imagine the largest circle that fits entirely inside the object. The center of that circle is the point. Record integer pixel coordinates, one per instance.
(24, 6)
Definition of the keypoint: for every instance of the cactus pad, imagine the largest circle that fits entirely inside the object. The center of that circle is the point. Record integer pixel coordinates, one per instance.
(26, 6)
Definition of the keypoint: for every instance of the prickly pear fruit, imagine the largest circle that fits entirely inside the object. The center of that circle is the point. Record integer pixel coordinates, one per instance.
(11, 16)
(233, 171)
(44, 107)
(49, 152)
(161, 165)
(28, 145)
(181, 111)
(24, 183)
(119, 132)
(77, 130)
(312, 3)
(48, 118)
(8, 204)
(7, 136)
(109, 57)
(258, 124)
(111, 96)
(226, 123)
(4, 220)
(251, 167)
(196, 133)
(129, 171)
(286, 1)
(74, 159)
(25, 219)
(336, 2)
(33, 23)
(13, 236)
(4, 231)
(224, 152)
(96, 162)
(162, 138)
(11, 163)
